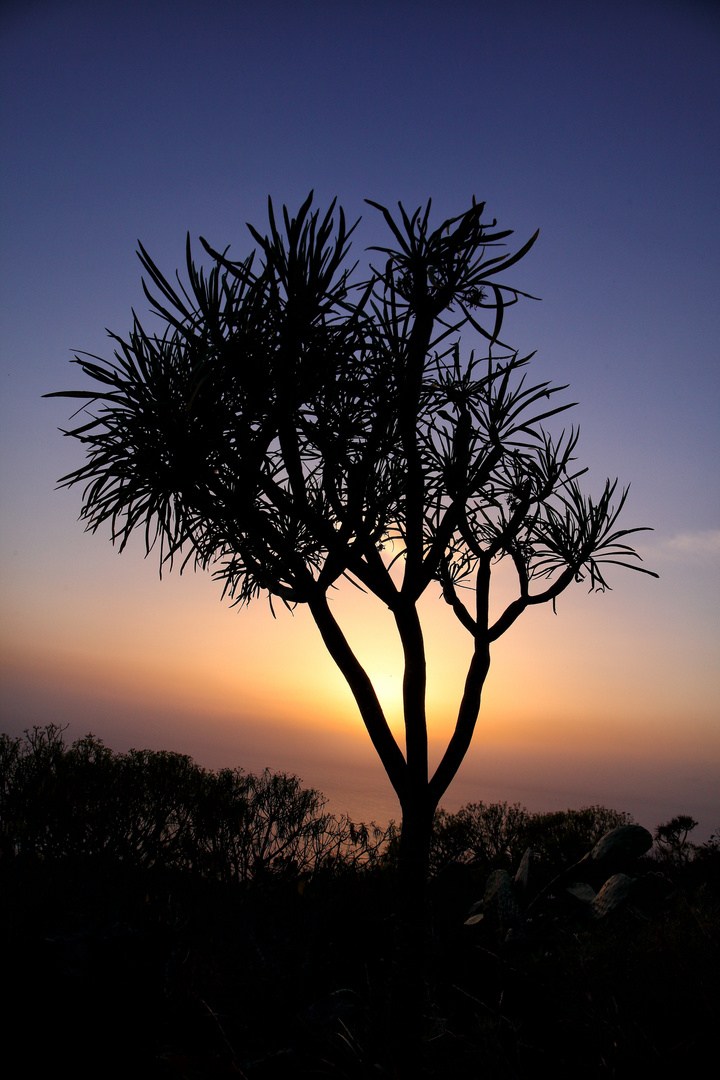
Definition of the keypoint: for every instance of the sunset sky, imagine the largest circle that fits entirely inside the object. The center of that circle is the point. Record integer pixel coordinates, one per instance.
(597, 123)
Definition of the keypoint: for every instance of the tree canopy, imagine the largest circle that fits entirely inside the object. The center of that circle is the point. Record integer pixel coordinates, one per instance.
(293, 423)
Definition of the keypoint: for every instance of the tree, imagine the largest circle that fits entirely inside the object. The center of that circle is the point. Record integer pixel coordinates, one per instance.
(289, 428)
(671, 838)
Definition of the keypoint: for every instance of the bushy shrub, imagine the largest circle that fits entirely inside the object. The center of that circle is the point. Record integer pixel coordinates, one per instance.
(157, 809)
(494, 836)
(490, 835)
(562, 837)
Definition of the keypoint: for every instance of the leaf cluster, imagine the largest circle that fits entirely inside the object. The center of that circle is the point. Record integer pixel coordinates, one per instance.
(286, 425)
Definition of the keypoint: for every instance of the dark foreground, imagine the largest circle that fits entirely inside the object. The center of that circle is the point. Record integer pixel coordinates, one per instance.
(129, 953)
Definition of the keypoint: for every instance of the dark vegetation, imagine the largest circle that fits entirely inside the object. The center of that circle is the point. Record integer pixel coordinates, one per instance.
(163, 920)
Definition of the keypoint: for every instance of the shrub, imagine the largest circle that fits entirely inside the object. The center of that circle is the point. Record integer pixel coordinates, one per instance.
(157, 809)
(491, 835)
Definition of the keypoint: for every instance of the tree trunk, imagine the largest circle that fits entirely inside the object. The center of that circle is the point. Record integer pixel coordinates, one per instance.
(413, 860)
(408, 999)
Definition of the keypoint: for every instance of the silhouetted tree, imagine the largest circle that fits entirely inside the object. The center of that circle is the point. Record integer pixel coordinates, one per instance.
(671, 839)
(290, 428)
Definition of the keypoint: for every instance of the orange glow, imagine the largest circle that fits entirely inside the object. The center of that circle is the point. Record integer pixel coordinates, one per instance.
(576, 705)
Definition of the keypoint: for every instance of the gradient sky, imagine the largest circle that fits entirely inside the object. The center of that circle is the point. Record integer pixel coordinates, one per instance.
(597, 123)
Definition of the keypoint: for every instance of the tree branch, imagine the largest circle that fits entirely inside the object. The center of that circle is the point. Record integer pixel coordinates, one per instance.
(363, 691)
(474, 682)
(414, 684)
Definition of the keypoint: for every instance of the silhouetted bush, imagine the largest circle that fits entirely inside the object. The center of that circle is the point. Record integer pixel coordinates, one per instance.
(157, 809)
(488, 835)
(564, 836)
(494, 836)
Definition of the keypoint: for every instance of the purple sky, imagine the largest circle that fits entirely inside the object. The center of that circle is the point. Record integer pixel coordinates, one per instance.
(597, 123)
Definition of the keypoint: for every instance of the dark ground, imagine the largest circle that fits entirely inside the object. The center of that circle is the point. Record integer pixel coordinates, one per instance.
(156, 975)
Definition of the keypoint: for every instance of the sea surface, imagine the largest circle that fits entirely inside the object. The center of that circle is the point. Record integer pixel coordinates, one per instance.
(363, 791)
